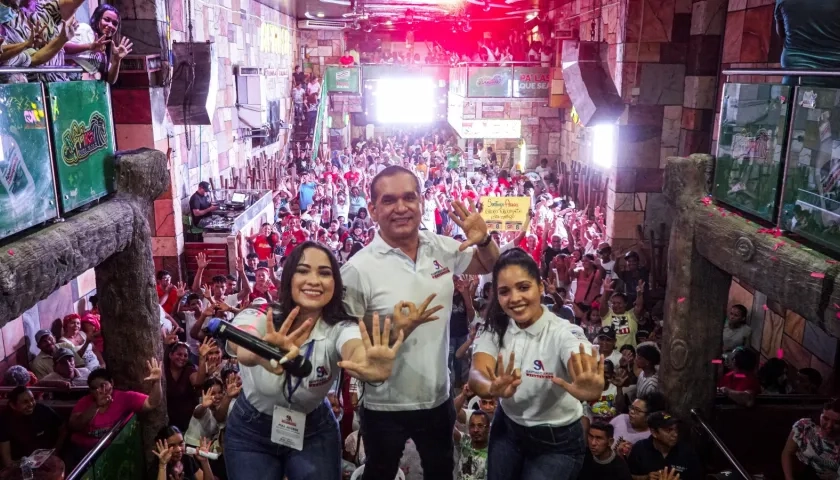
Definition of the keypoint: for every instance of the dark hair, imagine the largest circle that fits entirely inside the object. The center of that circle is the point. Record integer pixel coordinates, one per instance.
(654, 402)
(741, 309)
(251, 255)
(193, 296)
(610, 364)
(744, 360)
(94, 300)
(391, 171)
(649, 352)
(211, 382)
(627, 347)
(480, 413)
(102, 373)
(96, 17)
(357, 246)
(163, 273)
(608, 429)
(333, 311)
(219, 279)
(833, 405)
(17, 392)
(813, 376)
(230, 277)
(497, 320)
(167, 432)
(771, 371)
(619, 295)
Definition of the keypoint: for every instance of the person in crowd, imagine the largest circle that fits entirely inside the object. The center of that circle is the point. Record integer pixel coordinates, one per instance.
(536, 433)
(264, 243)
(95, 414)
(798, 24)
(298, 94)
(741, 384)
(203, 423)
(632, 427)
(463, 313)
(664, 451)
(65, 374)
(472, 448)
(808, 381)
(589, 279)
(174, 463)
(606, 407)
(26, 426)
(773, 377)
(812, 450)
(647, 359)
(42, 364)
(182, 378)
(606, 339)
(19, 376)
(614, 312)
(633, 277)
(200, 206)
(77, 341)
(92, 329)
(736, 332)
(98, 47)
(317, 328)
(601, 462)
(420, 264)
(168, 294)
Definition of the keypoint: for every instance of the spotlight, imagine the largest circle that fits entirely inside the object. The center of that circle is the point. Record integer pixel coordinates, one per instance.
(320, 14)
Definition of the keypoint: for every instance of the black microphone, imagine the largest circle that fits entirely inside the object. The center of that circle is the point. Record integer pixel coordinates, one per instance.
(300, 366)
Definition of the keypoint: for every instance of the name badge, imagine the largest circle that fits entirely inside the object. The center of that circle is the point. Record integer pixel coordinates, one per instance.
(287, 427)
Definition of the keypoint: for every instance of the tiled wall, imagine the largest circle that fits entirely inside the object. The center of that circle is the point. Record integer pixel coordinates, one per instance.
(320, 48)
(61, 302)
(777, 330)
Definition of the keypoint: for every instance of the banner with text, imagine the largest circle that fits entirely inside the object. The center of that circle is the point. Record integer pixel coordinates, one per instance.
(531, 82)
(489, 82)
(343, 80)
(505, 213)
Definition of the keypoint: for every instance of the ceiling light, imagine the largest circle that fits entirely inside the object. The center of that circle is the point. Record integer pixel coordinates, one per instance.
(320, 14)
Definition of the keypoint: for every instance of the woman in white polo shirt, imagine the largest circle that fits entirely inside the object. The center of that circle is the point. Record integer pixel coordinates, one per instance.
(537, 364)
(281, 425)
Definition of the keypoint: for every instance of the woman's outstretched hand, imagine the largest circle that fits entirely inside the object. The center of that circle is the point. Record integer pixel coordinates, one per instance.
(379, 357)
(587, 372)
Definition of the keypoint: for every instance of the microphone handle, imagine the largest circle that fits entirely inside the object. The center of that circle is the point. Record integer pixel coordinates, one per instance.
(298, 367)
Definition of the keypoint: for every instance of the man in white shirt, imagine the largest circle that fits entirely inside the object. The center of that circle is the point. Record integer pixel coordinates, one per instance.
(401, 266)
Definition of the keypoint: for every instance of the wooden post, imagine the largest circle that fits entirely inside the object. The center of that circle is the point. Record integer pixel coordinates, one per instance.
(696, 299)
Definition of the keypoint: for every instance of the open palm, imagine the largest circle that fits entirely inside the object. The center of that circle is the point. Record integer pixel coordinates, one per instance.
(504, 381)
(587, 372)
(379, 357)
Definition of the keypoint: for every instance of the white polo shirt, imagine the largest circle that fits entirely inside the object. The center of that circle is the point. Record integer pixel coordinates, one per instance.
(380, 276)
(542, 351)
(264, 389)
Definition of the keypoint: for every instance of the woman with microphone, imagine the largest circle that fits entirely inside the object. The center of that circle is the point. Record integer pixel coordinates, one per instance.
(537, 364)
(282, 425)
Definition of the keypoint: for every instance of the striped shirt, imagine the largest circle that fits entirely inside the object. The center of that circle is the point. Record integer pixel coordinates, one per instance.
(44, 13)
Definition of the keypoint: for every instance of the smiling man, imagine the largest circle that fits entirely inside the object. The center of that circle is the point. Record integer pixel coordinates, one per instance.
(404, 263)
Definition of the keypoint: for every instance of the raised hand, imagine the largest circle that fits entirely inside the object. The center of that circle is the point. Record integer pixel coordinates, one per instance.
(206, 399)
(99, 44)
(154, 370)
(207, 345)
(609, 284)
(201, 260)
(504, 381)
(162, 452)
(379, 357)
(234, 386)
(669, 474)
(587, 372)
(181, 289)
(122, 49)
(550, 288)
(204, 445)
(286, 341)
(470, 222)
(172, 338)
(70, 26)
(640, 288)
(408, 315)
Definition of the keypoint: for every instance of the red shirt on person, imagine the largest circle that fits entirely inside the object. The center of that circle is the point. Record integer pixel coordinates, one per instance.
(264, 246)
(122, 402)
(171, 301)
(334, 176)
(740, 382)
(298, 237)
(352, 177)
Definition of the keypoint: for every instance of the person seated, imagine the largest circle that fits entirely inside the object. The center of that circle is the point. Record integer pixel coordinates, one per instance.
(812, 450)
(42, 364)
(741, 384)
(601, 461)
(94, 415)
(633, 427)
(26, 426)
(65, 373)
(203, 423)
(664, 449)
(173, 462)
(17, 376)
(808, 381)
(77, 341)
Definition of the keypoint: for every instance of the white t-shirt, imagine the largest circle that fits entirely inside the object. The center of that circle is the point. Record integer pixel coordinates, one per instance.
(206, 427)
(542, 351)
(379, 277)
(625, 431)
(264, 389)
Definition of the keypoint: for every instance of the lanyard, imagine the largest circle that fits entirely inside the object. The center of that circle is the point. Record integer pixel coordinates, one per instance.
(291, 390)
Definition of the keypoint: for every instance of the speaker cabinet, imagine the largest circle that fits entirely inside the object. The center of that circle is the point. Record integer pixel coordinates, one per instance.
(195, 83)
(588, 83)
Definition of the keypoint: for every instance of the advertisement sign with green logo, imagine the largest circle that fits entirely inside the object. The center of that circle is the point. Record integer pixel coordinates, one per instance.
(27, 191)
(343, 80)
(489, 82)
(83, 141)
(122, 459)
(531, 82)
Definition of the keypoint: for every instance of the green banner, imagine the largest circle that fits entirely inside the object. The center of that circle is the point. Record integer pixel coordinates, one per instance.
(343, 80)
(27, 191)
(531, 82)
(489, 82)
(83, 141)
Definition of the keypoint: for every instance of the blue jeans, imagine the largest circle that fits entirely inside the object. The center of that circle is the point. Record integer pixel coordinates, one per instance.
(533, 453)
(250, 453)
(385, 435)
(458, 368)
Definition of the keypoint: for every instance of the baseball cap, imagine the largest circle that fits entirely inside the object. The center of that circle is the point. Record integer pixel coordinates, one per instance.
(607, 331)
(661, 420)
(61, 353)
(41, 334)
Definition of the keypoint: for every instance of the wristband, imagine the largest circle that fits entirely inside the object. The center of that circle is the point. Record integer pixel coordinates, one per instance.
(485, 242)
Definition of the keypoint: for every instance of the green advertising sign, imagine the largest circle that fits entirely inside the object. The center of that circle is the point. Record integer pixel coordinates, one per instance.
(122, 459)
(83, 141)
(27, 191)
(343, 80)
(489, 82)
(531, 82)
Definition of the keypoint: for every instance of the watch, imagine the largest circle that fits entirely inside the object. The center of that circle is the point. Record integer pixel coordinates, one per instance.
(485, 242)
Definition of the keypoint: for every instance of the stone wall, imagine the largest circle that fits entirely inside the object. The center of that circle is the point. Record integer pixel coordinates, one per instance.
(320, 48)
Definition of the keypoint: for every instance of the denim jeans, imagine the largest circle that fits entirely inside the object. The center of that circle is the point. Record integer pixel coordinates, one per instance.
(533, 453)
(250, 453)
(458, 368)
(385, 434)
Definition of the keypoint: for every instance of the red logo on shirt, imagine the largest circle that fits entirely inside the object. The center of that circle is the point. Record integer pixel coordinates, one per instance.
(440, 270)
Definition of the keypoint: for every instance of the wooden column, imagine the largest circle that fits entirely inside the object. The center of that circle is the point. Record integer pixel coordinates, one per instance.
(125, 285)
(696, 299)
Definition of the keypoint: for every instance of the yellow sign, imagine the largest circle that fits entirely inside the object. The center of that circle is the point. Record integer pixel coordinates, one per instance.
(275, 39)
(505, 213)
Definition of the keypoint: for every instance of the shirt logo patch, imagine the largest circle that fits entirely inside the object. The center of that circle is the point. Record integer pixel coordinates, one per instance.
(538, 371)
(538, 365)
(322, 376)
(440, 270)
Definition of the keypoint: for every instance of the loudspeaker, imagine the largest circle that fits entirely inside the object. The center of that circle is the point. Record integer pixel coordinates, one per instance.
(195, 83)
(588, 83)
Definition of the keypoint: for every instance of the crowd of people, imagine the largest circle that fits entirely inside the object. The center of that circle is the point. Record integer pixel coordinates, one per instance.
(439, 348)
